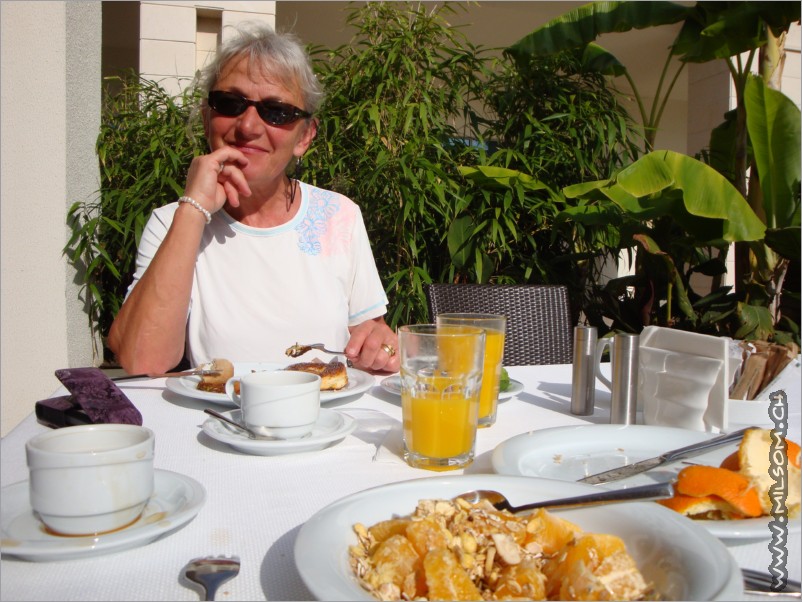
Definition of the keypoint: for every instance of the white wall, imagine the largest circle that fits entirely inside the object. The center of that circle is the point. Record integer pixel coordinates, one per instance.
(49, 101)
(168, 33)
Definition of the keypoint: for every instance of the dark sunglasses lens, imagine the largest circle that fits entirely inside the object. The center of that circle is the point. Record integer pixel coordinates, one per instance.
(278, 113)
(271, 111)
(229, 105)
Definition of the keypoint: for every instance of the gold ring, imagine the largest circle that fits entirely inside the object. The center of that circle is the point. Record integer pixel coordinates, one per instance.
(389, 349)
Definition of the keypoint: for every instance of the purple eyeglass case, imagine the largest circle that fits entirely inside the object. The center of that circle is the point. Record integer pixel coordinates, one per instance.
(93, 399)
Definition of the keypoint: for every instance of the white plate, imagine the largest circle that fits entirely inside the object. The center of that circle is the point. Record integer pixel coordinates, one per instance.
(358, 382)
(331, 426)
(176, 500)
(392, 384)
(684, 561)
(570, 453)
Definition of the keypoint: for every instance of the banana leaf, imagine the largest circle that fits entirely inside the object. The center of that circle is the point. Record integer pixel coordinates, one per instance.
(773, 123)
(583, 25)
(702, 201)
(720, 30)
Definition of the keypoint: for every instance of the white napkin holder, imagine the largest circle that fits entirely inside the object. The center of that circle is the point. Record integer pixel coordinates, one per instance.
(684, 379)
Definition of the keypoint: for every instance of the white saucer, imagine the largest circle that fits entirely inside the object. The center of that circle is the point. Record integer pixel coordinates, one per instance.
(332, 426)
(176, 500)
(358, 382)
(392, 384)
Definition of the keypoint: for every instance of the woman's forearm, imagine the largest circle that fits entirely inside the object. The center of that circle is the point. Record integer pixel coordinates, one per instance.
(149, 331)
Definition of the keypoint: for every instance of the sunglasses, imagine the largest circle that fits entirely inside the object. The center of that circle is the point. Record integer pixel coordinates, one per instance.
(272, 112)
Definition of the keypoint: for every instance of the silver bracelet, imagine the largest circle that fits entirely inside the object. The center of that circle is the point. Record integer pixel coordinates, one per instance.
(197, 205)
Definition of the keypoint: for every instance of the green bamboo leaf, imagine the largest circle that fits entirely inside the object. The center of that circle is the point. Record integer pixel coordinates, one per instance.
(483, 266)
(504, 177)
(459, 237)
(373, 113)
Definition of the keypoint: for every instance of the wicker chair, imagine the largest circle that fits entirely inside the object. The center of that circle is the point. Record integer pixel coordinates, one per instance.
(539, 328)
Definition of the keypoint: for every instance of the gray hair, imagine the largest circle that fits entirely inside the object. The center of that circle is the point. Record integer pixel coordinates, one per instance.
(280, 55)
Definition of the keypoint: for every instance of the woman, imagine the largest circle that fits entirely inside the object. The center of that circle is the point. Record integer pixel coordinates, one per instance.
(249, 261)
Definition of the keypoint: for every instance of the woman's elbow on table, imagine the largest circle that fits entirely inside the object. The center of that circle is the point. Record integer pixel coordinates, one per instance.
(141, 354)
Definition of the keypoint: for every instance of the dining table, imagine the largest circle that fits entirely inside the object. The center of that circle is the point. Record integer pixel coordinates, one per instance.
(254, 505)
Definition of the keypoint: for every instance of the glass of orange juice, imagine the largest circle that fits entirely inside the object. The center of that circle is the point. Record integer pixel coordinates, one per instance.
(441, 377)
(495, 327)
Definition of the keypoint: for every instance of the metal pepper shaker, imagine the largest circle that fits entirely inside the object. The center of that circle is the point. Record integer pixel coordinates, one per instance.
(583, 382)
(624, 392)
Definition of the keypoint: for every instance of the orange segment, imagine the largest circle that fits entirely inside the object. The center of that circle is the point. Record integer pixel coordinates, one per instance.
(572, 565)
(427, 534)
(523, 581)
(387, 528)
(551, 532)
(446, 579)
(394, 559)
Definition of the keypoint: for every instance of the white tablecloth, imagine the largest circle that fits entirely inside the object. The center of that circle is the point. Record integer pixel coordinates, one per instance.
(255, 504)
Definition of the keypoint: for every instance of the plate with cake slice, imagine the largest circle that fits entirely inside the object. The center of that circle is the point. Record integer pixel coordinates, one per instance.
(349, 381)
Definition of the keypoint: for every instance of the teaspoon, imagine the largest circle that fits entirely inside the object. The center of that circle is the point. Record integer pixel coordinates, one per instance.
(211, 572)
(654, 491)
(227, 420)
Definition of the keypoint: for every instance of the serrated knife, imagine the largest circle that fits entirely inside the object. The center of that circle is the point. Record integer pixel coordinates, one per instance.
(675, 455)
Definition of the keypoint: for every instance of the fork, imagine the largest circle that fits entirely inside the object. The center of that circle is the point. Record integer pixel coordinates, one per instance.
(211, 572)
(298, 350)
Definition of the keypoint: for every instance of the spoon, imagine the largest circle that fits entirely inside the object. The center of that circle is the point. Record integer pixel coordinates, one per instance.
(227, 420)
(211, 572)
(654, 491)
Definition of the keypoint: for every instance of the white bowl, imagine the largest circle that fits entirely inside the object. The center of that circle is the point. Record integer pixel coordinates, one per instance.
(683, 560)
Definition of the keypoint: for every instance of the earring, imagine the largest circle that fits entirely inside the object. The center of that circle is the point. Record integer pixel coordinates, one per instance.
(295, 179)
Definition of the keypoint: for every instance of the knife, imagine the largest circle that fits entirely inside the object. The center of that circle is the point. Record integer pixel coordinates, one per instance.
(198, 372)
(671, 456)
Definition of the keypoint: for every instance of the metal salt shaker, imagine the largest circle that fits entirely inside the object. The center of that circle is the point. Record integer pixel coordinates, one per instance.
(624, 398)
(583, 383)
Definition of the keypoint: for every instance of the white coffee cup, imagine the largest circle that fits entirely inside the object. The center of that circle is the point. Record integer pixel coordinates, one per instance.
(281, 404)
(90, 479)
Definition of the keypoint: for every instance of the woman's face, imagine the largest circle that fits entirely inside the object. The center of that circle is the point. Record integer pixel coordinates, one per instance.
(269, 148)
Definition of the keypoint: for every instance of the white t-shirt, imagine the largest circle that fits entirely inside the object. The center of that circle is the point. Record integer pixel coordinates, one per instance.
(257, 291)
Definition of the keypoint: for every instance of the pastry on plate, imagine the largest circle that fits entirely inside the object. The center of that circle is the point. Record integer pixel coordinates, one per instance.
(216, 383)
(333, 375)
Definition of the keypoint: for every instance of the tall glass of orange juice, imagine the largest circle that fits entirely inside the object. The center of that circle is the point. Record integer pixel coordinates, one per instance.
(441, 378)
(495, 327)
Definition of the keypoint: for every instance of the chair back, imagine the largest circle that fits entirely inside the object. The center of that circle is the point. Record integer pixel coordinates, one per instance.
(539, 328)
